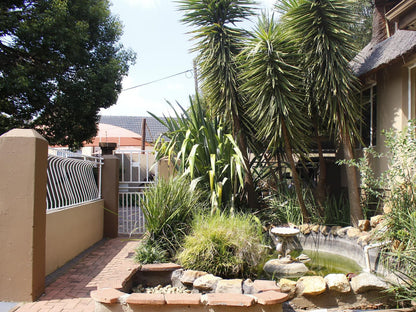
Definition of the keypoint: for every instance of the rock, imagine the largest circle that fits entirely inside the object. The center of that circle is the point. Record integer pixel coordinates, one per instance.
(175, 278)
(277, 268)
(334, 230)
(288, 286)
(386, 207)
(250, 287)
(376, 220)
(353, 232)
(364, 239)
(338, 283)
(230, 286)
(324, 229)
(303, 258)
(315, 228)
(189, 276)
(364, 225)
(366, 281)
(207, 282)
(305, 229)
(343, 231)
(311, 285)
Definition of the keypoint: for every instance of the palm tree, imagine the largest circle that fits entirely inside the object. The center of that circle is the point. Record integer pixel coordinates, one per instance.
(271, 84)
(321, 30)
(218, 45)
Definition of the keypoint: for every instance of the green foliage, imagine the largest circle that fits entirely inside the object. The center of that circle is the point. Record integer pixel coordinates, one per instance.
(362, 28)
(204, 151)
(400, 181)
(283, 208)
(223, 244)
(168, 208)
(396, 187)
(272, 83)
(218, 43)
(148, 252)
(61, 62)
(371, 186)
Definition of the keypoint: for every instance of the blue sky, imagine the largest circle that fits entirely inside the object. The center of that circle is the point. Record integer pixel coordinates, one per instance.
(152, 29)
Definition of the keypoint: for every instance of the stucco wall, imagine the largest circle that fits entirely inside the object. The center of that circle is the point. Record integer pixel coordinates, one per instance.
(71, 231)
(391, 107)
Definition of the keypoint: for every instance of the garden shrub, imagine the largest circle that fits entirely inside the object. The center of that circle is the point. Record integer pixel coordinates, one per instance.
(400, 180)
(148, 252)
(396, 188)
(227, 245)
(283, 208)
(168, 208)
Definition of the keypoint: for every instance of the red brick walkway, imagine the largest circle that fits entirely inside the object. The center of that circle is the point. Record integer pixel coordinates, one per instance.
(71, 291)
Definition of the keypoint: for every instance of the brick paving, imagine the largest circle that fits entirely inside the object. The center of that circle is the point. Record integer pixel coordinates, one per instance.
(71, 290)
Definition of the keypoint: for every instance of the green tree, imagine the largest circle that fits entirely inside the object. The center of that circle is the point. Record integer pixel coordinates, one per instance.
(218, 45)
(271, 84)
(320, 30)
(60, 64)
(361, 29)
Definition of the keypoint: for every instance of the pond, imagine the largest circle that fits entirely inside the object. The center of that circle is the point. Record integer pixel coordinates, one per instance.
(324, 263)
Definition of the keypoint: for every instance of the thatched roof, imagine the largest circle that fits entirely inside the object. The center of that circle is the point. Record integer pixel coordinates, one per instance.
(373, 56)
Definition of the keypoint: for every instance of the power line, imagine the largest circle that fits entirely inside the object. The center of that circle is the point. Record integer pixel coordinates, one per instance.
(150, 82)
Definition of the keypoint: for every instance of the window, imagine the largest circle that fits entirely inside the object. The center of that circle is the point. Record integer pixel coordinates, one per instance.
(368, 127)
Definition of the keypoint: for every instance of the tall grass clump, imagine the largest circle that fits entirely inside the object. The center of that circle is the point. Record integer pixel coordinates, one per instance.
(227, 245)
(168, 209)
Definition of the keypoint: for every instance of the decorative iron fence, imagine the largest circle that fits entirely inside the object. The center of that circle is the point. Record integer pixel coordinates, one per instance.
(73, 179)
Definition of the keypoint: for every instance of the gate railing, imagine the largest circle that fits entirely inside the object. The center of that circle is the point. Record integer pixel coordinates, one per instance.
(138, 171)
(73, 179)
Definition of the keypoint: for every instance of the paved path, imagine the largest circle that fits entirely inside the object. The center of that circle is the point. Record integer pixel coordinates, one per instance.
(71, 290)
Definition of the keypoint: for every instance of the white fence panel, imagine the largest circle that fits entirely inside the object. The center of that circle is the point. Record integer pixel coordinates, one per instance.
(138, 171)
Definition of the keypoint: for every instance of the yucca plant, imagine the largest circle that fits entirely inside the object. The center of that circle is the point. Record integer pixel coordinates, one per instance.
(203, 150)
(271, 85)
(218, 43)
(319, 29)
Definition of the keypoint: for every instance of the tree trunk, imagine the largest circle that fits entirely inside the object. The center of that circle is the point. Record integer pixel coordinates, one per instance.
(248, 177)
(321, 185)
(289, 152)
(356, 212)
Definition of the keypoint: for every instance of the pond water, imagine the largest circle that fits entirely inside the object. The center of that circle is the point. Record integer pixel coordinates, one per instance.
(323, 263)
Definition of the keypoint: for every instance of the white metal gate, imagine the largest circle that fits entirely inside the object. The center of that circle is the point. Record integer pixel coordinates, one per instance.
(138, 171)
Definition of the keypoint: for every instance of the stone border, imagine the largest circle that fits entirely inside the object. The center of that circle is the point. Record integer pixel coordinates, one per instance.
(113, 292)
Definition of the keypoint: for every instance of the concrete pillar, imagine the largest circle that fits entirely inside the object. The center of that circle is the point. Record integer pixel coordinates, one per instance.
(23, 165)
(109, 190)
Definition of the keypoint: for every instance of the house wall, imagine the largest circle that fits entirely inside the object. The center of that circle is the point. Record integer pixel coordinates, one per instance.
(71, 231)
(392, 107)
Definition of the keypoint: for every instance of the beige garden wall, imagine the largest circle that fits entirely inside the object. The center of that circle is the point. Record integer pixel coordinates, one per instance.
(71, 231)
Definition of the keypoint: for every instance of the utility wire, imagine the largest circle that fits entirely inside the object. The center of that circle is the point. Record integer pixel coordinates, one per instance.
(150, 82)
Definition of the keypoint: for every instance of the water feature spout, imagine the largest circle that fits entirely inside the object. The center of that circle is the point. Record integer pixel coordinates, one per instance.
(367, 254)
